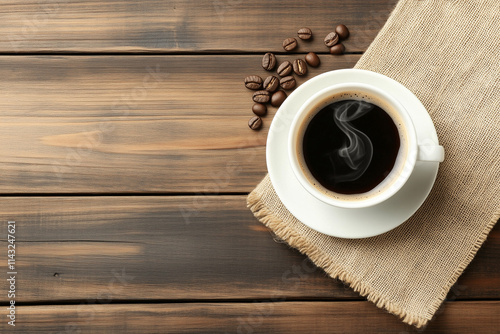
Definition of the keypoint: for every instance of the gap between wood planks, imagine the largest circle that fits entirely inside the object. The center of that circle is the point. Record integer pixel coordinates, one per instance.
(218, 301)
(161, 53)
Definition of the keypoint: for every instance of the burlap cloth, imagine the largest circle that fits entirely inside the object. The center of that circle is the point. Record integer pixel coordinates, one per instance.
(448, 54)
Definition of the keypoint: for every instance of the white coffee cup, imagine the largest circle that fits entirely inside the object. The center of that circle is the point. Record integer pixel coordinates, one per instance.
(410, 149)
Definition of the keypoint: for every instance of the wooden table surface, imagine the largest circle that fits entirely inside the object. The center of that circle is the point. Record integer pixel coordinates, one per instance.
(126, 160)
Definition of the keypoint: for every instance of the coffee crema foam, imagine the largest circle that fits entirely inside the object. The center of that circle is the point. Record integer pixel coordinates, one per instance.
(356, 151)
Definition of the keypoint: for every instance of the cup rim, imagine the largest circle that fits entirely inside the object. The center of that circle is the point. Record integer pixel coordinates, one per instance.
(408, 165)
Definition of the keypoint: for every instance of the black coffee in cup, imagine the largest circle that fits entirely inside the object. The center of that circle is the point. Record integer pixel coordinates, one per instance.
(350, 145)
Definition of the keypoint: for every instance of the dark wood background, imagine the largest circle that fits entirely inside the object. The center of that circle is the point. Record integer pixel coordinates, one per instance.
(126, 160)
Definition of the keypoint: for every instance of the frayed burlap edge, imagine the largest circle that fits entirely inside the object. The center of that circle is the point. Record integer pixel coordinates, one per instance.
(280, 228)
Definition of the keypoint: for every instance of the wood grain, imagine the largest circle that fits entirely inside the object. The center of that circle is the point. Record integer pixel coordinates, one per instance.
(175, 248)
(279, 317)
(170, 124)
(128, 124)
(183, 26)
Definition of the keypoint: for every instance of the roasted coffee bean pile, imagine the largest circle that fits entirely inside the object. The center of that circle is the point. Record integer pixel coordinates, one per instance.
(333, 39)
(268, 89)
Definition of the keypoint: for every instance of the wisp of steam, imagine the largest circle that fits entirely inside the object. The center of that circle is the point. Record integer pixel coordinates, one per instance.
(357, 150)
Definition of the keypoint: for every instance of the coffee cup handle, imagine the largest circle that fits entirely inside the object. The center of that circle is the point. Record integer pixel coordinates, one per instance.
(430, 153)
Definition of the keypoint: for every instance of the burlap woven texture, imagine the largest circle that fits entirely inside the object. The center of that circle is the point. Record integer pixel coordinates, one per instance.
(448, 54)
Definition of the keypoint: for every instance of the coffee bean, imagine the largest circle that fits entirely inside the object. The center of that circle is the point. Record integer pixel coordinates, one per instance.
(261, 96)
(288, 82)
(331, 39)
(312, 59)
(259, 109)
(269, 61)
(278, 98)
(253, 82)
(304, 33)
(337, 49)
(271, 83)
(342, 31)
(255, 123)
(299, 67)
(289, 44)
(285, 68)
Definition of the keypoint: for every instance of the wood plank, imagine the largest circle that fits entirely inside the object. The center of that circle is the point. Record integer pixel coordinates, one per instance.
(174, 248)
(182, 26)
(132, 124)
(278, 317)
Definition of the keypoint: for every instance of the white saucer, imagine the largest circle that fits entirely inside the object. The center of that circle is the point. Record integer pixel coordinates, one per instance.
(340, 222)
